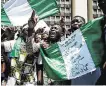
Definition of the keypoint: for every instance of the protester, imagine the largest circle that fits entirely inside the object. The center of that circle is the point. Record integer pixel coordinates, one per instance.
(39, 66)
(18, 50)
(102, 79)
(23, 51)
(6, 36)
(45, 36)
(55, 35)
(94, 28)
(3, 69)
(76, 23)
(28, 34)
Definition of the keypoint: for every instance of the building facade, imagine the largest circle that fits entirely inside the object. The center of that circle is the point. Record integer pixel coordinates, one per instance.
(70, 8)
(65, 13)
(96, 10)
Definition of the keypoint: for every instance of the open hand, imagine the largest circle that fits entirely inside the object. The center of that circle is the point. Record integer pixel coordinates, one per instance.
(33, 20)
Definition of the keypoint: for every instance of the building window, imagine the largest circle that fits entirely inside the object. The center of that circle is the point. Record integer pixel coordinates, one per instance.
(62, 0)
(67, 6)
(57, 18)
(67, 9)
(95, 15)
(67, 0)
(94, 11)
(62, 9)
(52, 18)
(68, 26)
(62, 5)
(94, 3)
(99, 11)
(67, 17)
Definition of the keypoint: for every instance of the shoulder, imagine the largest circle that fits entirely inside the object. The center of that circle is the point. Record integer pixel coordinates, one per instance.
(9, 42)
(8, 45)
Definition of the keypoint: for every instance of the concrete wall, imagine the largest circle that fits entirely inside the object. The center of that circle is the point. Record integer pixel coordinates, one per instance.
(81, 8)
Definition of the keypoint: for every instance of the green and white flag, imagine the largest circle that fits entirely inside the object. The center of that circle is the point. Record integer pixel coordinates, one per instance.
(77, 55)
(17, 12)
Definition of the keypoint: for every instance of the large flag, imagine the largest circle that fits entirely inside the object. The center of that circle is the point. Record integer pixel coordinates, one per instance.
(42, 24)
(17, 12)
(77, 55)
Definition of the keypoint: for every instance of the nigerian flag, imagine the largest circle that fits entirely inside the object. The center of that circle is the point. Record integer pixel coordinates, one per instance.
(17, 12)
(77, 55)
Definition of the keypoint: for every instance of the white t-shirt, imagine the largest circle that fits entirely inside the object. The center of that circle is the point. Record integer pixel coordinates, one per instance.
(8, 45)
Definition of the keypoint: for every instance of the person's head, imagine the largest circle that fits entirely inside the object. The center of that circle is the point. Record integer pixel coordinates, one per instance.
(40, 30)
(77, 22)
(27, 31)
(37, 37)
(7, 32)
(55, 33)
(45, 36)
(32, 20)
(102, 5)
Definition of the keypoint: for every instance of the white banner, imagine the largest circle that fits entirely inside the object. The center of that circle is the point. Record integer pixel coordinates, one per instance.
(77, 58)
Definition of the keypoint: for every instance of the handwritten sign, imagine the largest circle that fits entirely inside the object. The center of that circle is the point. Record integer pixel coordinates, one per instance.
(77, 58)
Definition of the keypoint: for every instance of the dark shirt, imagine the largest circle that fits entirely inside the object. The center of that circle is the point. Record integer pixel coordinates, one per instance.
(105, 41)
(105, 35)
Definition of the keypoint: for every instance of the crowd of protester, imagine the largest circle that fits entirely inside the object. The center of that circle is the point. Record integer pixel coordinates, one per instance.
(29, 70)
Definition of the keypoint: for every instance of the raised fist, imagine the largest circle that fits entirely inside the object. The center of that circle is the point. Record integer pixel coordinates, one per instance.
(33, 20)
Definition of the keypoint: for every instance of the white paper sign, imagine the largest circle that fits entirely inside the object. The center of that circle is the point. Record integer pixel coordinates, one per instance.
(77, 58)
